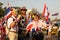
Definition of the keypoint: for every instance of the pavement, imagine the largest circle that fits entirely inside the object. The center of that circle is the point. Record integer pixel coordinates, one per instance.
(53, 37)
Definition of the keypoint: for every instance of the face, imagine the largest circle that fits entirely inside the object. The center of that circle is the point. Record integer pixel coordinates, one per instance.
(36, 18)
(23, 12)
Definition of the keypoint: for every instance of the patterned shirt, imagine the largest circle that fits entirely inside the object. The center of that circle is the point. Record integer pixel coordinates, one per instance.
(22, 23)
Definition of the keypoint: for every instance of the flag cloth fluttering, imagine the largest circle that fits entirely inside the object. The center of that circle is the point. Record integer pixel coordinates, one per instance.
(55, 14)
(46, 12)
(8, 12)
(29, 26)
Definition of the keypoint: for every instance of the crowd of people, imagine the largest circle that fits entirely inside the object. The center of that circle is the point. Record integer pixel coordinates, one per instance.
(23, 27)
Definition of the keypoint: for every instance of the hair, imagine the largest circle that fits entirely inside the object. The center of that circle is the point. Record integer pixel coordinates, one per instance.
(36, 15)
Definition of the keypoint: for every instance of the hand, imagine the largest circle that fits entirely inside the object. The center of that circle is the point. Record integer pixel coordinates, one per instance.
(18, 17)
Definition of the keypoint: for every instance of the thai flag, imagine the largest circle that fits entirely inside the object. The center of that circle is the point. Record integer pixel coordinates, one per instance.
(8, 12)
(45, 12)
(55, 14)
(29, 26)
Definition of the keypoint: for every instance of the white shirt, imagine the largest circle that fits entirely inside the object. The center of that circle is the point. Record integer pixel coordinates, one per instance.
(10, 20)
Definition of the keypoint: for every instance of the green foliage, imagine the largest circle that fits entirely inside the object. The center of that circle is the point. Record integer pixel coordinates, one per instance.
(1, 4)
(2, 10)
(16, 7)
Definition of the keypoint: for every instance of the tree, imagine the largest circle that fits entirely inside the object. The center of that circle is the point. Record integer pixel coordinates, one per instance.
(1, 4)
(1, 10)
(16, 7)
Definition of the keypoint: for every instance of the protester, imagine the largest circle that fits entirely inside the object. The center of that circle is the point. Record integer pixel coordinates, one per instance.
(22, 24)
(36, 26)
(23, 27)
(13, 27)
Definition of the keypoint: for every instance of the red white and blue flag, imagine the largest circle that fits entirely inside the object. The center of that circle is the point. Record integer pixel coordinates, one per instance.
(29, 26)
(8, 12)
(55, 14)
(32, 27)
(46, 12)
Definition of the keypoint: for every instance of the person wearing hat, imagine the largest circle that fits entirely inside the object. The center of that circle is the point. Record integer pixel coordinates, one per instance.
(22, 23)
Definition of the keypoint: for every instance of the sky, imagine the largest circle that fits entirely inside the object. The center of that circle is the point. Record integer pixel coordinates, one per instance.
(53, 5)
